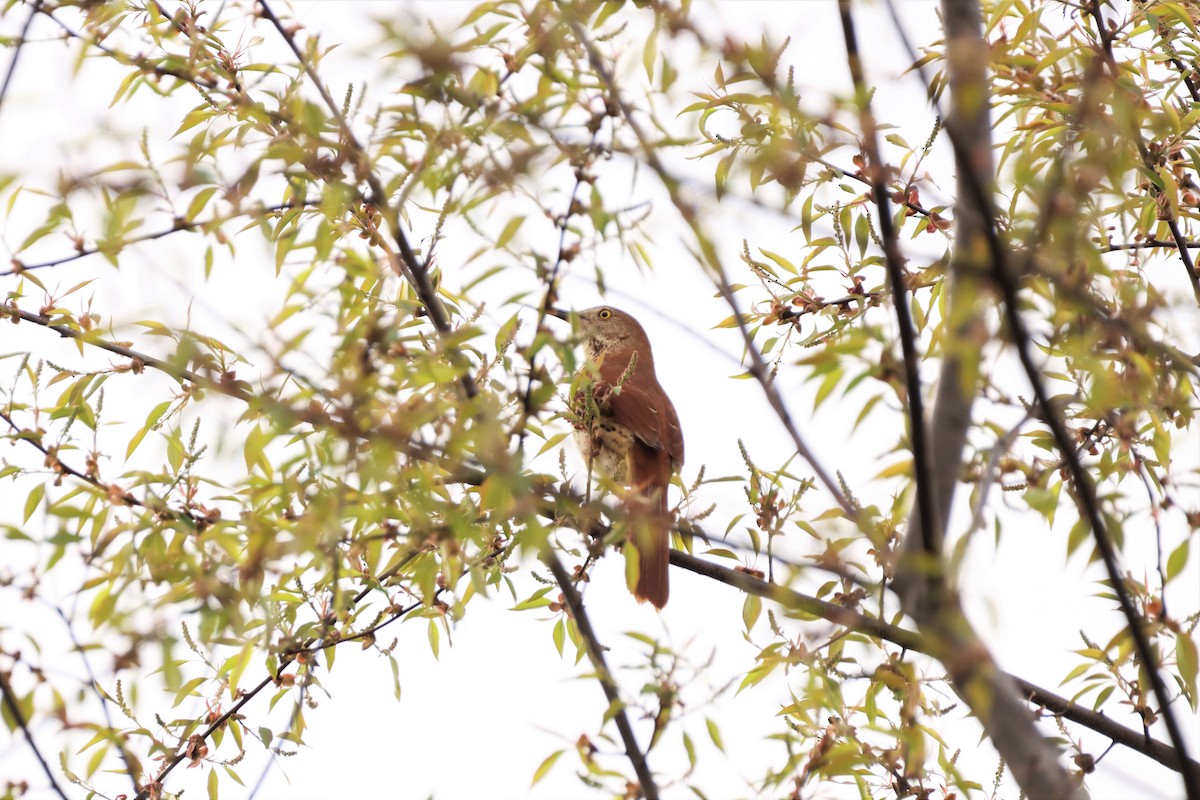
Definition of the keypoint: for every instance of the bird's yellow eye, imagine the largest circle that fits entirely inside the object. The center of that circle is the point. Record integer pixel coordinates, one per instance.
(604, 313)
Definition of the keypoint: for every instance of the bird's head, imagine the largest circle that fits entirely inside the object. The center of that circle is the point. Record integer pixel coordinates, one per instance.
(604, 327)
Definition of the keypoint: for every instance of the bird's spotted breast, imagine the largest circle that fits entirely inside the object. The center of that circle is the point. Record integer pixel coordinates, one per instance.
(607, 446)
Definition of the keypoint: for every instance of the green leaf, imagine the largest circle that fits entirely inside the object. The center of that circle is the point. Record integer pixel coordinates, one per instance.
(1078, 535)
(559, 635)
(395, 676)
(751, 609)
(547, 764)
(1188, 662)
(722, 175)
(780, 260)
(537, 600)
(690, 748)
(256, 442)
(902, 467)
(1177, 560)
(188, 689)
(151, 421)
(714, 733)
(553, 442)
(34, 498)
(606, 11)
(828, 384)
(510, 230)
(195, 117)
(434, 637)
(649, 53)
(199, 202)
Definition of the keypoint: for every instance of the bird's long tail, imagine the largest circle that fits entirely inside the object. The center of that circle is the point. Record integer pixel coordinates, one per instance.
(650, 522)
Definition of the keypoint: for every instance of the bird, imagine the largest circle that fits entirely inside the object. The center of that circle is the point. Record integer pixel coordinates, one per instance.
(628, 431)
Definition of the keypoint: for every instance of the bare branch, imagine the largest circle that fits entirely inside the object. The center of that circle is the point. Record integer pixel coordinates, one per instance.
(927, 512)
(18, 49)
(1147, 244)
(596, 656)
(14, 708)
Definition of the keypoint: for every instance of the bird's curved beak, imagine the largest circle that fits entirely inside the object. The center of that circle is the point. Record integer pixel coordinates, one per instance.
(558, 312)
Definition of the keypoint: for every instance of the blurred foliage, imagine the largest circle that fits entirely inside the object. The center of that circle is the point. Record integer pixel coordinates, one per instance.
(238, 511)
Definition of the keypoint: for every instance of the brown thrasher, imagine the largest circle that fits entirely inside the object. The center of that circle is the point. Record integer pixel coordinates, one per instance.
(628, 432)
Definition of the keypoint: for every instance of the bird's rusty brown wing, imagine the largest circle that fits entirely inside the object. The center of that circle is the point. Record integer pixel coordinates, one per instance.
(642, 406)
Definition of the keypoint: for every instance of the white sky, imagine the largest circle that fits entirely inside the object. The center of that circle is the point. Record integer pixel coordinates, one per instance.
(478, 721)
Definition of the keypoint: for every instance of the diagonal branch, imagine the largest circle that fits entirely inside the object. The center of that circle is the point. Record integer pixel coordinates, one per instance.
(14, 708)
(596, 656)
(1002, 275)
(414, 269)
(119, 740)
(876, 170)
(18, 49)
(140, 360)
(1106, 43)
(912, 640)
(758, 367)
(154, 788)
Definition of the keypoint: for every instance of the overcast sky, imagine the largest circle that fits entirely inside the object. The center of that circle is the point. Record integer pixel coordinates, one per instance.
(501, 694)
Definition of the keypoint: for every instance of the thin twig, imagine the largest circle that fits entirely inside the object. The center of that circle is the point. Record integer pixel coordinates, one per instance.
(139, 359)
(19, 47)
(1149, 243)
(551, 295)
(180, 225)
(14, 708)
(991, 472)
(285, 662)
(94, 685)
(414, 269)
(931, 533)
(209, 85)
(596, 656)
(311, 414)
(758, 367)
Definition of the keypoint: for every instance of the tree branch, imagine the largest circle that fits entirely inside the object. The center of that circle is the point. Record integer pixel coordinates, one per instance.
(139, 359)
(927, 513)
(551, 507)
(117, 739)
(758, 367)
(14, 708)
(596, 656)
(18, 49)
(976, 678)
(1003, 277)
(155, 787)
(180, 225)
(1148, 243)
(1106, 43)
(414, 269)
(1135, 740)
